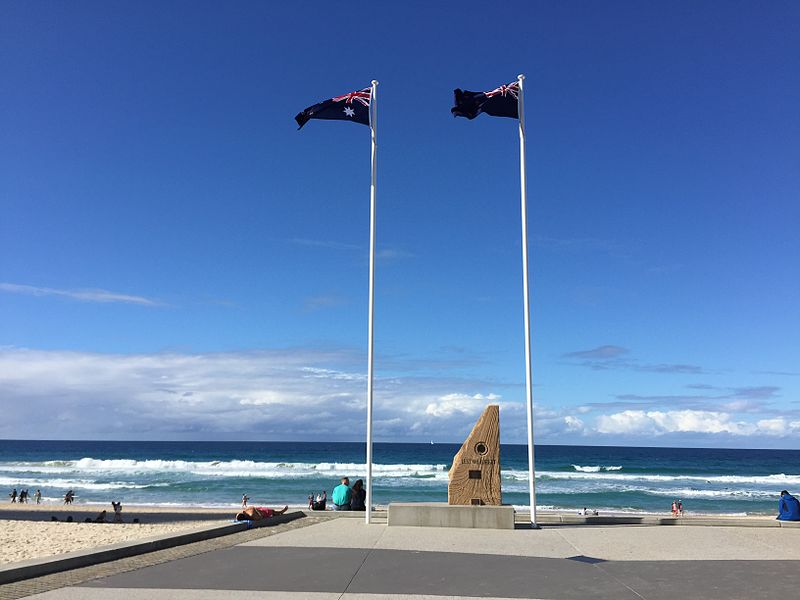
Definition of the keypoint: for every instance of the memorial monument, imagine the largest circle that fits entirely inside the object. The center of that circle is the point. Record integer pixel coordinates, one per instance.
(473, 494)
(475, 474)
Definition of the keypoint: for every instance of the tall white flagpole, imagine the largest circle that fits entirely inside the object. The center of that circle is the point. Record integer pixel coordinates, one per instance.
(373, 126)
(526, 300)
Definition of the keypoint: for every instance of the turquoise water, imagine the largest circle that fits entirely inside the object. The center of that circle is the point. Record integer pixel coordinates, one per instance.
(567, 477)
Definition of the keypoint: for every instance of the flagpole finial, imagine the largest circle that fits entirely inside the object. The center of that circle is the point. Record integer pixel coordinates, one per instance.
(520, 76)
(374, 82)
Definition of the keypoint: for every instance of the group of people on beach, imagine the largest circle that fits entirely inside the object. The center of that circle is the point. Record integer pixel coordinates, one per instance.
(345, 497)
(23, 496)
(677, 508)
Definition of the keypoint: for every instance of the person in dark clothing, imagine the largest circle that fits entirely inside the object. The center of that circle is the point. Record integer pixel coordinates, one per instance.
(788, 507)
(13, 496)
(359, 498)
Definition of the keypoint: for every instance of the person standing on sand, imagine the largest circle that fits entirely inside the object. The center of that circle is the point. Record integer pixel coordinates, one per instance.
(680, 508)
(13, 495)
(674, 508)
(38, 496)
(342, 494)
(245, 498)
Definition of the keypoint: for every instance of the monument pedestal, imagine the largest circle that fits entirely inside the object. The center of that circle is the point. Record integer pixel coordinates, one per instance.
(441, 514)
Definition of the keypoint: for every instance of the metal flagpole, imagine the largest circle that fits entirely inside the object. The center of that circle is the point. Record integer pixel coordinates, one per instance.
(526, 301)
(373, 126)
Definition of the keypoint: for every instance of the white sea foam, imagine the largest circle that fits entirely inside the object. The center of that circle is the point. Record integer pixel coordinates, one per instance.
(777, 479)
(596, 468)
(233, 468)
(78, 484)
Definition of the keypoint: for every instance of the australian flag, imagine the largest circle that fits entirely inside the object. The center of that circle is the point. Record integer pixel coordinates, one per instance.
(500, 102)
(350, 107)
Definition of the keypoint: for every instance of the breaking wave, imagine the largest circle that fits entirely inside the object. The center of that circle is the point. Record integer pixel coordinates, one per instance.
(232, 468)
(595, 469)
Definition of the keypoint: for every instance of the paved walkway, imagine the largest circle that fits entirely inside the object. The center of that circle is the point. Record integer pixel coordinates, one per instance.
(345, 559)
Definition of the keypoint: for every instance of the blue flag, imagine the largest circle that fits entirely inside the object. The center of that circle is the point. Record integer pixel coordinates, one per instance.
(350, 107)
(500, 102)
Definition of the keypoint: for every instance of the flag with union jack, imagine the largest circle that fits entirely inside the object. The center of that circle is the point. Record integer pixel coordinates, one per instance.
(500, 102)
(350, 107)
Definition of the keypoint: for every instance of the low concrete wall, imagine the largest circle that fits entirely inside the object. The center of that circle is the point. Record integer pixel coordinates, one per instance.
(84, 558)
(653, 520)
(435, 514)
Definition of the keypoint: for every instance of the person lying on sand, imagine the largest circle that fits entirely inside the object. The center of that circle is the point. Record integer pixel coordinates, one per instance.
(256, 513)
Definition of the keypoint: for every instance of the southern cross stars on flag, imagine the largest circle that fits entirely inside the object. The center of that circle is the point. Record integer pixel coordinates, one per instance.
(350, 107)
(500, 102)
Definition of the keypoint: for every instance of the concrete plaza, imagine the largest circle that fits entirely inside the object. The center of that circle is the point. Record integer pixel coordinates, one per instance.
(342, 558)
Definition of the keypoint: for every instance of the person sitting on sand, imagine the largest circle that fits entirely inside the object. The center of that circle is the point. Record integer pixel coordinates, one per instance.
(101, 518)
(257, 513)
(358, 501)
(788, 507)
(342, 494)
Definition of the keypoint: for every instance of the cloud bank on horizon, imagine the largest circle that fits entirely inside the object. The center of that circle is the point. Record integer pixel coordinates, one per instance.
(306, 394)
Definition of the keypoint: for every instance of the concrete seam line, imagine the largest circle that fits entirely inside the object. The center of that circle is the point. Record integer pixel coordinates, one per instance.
(619, 581)
(361, 566)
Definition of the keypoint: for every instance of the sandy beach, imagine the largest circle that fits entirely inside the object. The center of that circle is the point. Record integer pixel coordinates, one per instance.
(27, 531)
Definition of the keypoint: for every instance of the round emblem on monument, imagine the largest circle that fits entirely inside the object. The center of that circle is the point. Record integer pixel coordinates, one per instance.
(481, 448)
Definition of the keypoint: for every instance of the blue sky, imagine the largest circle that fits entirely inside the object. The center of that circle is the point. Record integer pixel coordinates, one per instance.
(179, 261)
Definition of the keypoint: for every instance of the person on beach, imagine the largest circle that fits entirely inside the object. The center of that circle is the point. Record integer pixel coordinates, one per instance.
(13, 496)
(101, 518)
(117, 511)
(245, 498)
(38, 496)
(69, 497)
(680, 508)
(342, 494)
(23, 496)
(358, 500)
(674, 508)
(257, 513)
(788, 507)
(319, 501)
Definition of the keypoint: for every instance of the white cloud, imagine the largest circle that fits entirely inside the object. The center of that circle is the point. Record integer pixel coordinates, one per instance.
(450, 404)
(655, 422)
(90, 295)
(277, 394)
(573, 423)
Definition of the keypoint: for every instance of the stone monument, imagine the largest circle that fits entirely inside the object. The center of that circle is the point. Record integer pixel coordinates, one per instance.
(475, 474)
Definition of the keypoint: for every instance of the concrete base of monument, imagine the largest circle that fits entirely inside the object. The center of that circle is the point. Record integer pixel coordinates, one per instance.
(441, 514)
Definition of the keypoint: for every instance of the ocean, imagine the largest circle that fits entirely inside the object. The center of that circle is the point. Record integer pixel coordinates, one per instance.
(216, 474)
